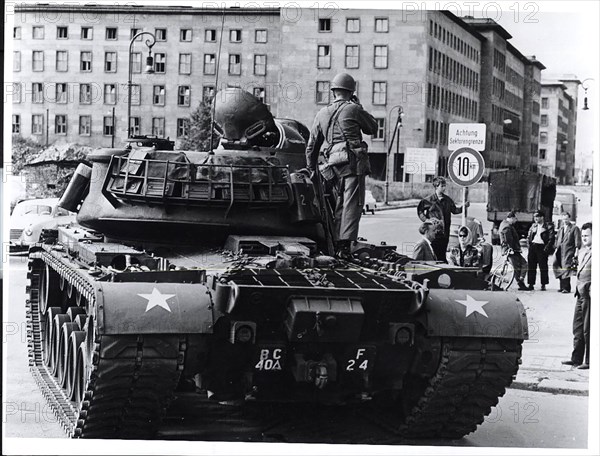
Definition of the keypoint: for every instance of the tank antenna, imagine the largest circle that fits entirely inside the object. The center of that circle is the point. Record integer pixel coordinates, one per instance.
(212, 108)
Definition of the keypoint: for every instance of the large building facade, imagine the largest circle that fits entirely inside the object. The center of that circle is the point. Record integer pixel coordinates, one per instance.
(71, 67)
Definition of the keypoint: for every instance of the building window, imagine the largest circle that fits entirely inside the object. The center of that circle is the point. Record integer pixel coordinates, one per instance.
(161, 34)
(134, 124)
(185, 35)
(324, 25)
(16, 60)
(160, 62)
(16, 123)
(85, 61)
(379, 93)
(37, 124)
(60, 124)
(542, 154)
(62, 61)
(158, 126)
(158, 97)
(323, 92)
(324, 56)
(110, 94)
(108, 126)
(17, 33)
(16, 92)
(259, 92)
(260, 36)
(136, 94)
(352, 57)
(544, 103)
(210, 35)
(381, 57)
(38, 32)
(235, 64)
(87, 33)
(85, 93)
(353, 25)
(183, 127)
(543, 137)
(136, 62)
(111, 33)
(544, 120)
(260, 64)
(381, 24)
(208, 92)
(185, 63)
(60, 95)
(37, 61)
(235, 36)
(133, 32)
(110, 62)
(380, 133)
(37, 90)
(85, 125)
(62, 32)
(183, 96)
(209, 63)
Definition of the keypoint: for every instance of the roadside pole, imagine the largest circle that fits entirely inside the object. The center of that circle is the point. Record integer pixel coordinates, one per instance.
(465, 198)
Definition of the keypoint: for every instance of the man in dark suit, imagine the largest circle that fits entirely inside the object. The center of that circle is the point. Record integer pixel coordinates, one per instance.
(540, 240)
(568, 241)
(509, 239)
(423, 249)
(581, 319)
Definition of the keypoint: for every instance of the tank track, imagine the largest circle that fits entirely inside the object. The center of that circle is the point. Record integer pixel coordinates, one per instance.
(472, 375)
(131, 379)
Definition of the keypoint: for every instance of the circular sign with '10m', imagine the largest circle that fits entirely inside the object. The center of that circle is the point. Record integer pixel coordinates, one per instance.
(465, 166)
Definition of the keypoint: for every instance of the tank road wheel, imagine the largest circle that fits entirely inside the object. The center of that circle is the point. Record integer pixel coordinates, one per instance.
(502, 276)
(75, 367)
(48, 335)
(49, 293)
(62, 358)
(59, 321)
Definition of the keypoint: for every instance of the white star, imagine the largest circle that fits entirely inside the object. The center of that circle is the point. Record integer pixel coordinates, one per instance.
(472, 305)
(157, 299)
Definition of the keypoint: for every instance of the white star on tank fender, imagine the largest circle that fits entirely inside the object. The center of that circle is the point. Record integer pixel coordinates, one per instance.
(472, 305)
(156, 298)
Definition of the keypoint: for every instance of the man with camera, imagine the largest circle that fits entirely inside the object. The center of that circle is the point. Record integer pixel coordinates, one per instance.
(337, 133)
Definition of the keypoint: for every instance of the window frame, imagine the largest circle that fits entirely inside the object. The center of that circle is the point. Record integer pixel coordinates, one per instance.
(35, 124)
(264, 73)
(66, 61)
(206, 37)
(186, 31)
(183, 127)
(185, 97)
(60, 125)
(110, 97)
(239, 63)
(161, 34)
(106, 61)
(91, 33)
(323, 21)
(62, 96)
(16, 61)
(109, 31)
(16, 121)
(236, 32)
(33, 61)
(38, 28)
(61, 28)
(161, 120)
(374, 93)
(83, 94)
(189, 64)
(328, 56)
(213, 63)
(350, 19)
(159, 99)
(375, 56)
(105, 124)
(256, 31)
(82, 124)
(160, 58)
(381, 18)
(346, 56)
(326, 92)
(380, 128)
(82, 61)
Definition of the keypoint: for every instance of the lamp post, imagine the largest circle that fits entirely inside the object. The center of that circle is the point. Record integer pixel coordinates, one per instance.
(396, 136)
(112, 142)
(149, 70)
(585, 89)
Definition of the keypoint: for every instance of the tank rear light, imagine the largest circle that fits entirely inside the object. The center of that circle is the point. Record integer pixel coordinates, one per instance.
(242, 332)
(402, 334)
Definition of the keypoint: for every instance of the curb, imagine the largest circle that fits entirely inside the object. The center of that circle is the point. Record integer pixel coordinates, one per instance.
(396, 205)
(544, 381)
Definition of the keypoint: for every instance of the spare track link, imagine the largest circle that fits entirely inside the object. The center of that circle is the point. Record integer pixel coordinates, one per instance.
(132, 378)
(472, 375)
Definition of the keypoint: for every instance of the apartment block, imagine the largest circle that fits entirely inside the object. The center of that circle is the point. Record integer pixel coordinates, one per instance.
(71, 73)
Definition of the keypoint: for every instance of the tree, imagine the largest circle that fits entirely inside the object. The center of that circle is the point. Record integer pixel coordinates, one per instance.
(198, 137)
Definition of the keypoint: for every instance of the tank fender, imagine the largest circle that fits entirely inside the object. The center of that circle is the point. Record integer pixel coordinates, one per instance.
(153, 308)
(475, 313)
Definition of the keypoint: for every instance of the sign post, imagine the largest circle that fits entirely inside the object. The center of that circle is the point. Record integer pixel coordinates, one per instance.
(465, 164)
(465, 167)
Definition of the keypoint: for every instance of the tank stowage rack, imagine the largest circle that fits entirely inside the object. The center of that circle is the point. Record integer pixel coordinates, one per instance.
(142, 179)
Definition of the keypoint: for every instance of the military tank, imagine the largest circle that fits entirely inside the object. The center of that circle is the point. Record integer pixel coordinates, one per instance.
(213, 269)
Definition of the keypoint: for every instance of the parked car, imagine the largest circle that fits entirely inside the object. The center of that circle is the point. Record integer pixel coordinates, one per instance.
(30, 217)
(370, 203)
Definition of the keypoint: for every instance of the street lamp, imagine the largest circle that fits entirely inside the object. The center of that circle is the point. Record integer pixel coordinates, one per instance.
(585, 89)
(149, 70)
(387, 160)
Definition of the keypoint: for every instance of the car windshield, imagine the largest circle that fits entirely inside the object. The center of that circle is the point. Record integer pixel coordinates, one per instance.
(32, 209)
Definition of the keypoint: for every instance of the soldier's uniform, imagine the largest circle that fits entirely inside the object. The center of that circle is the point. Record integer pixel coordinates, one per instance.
(332, 134)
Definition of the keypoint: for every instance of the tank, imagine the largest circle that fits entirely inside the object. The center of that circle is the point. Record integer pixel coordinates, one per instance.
(212, 272)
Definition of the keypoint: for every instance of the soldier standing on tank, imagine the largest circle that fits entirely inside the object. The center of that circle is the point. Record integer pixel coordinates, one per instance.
(337, 132)
(439, 206)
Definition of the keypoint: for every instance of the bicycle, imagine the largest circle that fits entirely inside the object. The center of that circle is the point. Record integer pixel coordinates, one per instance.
(503, 275)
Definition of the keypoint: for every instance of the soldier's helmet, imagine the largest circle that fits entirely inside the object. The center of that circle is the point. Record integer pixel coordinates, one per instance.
(343, 81)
